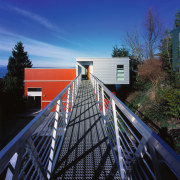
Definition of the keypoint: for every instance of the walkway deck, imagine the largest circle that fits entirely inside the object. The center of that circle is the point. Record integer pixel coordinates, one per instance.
(86, 153)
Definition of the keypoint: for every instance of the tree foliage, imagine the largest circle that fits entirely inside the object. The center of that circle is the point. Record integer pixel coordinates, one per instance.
(151, 70)
(165, 48)
(169, 98)
(18, 61)
(177, 19)
(160, 101)
(120, 52)
(13, 89)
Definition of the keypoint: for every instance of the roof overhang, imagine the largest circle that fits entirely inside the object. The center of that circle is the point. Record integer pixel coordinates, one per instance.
(100, 59)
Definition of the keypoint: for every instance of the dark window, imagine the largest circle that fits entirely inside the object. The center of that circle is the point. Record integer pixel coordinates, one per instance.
(120, 66)
(34, 89)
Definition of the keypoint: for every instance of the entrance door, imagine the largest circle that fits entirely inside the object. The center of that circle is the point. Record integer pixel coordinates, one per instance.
(34, 102)
(34, 97)
(88, 73)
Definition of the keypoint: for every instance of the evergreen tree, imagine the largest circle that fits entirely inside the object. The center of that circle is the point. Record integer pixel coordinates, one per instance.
(120, 52)
(13, 81)
(177, 19)
(17, 62)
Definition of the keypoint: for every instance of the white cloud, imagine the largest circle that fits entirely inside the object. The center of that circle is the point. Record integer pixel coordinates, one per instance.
(52, 55)
(43, 21)
(69, 41)
(3, 62)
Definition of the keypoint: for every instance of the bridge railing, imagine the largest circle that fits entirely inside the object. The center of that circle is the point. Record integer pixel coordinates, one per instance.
(32, 154)
(139, 152)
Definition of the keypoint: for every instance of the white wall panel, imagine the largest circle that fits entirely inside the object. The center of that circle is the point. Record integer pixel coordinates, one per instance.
(106, 68)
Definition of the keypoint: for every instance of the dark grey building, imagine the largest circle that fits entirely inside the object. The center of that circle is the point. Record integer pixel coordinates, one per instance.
(176, 48)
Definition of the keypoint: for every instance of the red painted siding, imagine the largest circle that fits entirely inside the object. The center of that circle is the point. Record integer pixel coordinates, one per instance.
(52, 81)
(50, 74)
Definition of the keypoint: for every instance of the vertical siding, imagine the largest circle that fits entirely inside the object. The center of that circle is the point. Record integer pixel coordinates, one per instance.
(106, 69)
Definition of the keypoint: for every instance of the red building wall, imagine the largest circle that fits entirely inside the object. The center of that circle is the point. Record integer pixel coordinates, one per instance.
(52, 82)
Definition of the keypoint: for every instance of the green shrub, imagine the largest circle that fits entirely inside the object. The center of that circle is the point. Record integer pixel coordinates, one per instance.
(170, 99)
(154, 113)
(142, 97)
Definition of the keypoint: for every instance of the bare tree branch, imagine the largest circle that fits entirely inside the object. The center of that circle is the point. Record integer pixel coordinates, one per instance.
(143, 46)
(153, 29)
(133, 41)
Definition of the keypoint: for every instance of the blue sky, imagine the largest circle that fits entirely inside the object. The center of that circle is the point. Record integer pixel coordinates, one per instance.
(55, 32)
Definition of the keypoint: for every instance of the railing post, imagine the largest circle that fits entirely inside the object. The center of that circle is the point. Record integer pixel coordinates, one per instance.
(70, 98)
(80, 79)
(95, 86)
(92, 80)
(103, 106)
(98, 93)
(74, 90)
(76, 86)
(77, 83)
(67, 106)
(120, 158)
(73, 95)
(53, 141)
(63, 113)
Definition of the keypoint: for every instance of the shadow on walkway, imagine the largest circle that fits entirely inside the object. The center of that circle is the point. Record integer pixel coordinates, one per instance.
(86, 153)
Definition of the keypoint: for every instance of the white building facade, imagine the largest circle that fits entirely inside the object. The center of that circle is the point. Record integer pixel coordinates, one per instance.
(108, 70)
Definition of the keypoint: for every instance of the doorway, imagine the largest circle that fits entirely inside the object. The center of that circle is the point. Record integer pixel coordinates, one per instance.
(85, 72)
(85, 68)
(34, 102)
(88, 73)
(34, 97)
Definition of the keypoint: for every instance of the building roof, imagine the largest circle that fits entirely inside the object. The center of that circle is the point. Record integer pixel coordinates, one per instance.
(99, 59)
(51, 68)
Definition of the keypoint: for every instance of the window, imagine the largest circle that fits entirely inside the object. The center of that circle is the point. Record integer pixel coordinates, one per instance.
(120, 73)
(34, 89)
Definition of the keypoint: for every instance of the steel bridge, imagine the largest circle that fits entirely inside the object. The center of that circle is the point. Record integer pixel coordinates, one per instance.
(88, 133)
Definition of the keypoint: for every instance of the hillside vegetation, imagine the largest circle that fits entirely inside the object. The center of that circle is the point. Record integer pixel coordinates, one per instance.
(154, 90)
(160, 105)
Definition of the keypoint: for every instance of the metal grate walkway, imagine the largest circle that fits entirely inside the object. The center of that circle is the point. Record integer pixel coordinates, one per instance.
(70, 139)
(86, 153)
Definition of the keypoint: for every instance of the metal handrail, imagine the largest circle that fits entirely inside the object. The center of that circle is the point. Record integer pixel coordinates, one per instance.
(139, 152)
(34, 151)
